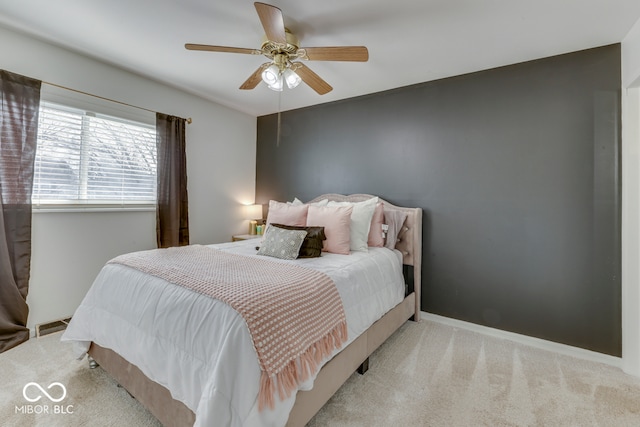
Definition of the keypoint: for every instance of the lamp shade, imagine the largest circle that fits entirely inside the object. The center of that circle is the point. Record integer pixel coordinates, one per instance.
(253, 212)
(291, 78)
(278, 85)
(270, 74)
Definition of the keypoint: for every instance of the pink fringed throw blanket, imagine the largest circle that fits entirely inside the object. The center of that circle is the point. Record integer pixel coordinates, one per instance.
(294, 314)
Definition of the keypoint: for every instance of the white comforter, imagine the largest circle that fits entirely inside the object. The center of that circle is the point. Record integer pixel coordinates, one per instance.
(199, 348)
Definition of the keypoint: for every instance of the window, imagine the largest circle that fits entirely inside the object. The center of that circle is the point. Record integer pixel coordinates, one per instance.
(88, 158)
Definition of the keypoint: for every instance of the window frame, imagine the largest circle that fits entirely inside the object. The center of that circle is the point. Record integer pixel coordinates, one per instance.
(103, 109)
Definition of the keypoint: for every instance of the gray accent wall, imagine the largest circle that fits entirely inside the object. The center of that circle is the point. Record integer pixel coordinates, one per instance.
(517, 170)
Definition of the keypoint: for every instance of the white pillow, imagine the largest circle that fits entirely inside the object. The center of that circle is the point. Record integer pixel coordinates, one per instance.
(297, 202)
(360, 222)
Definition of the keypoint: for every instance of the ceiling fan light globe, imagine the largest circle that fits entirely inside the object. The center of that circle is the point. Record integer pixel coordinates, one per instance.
(291, 78)
(278, 85)
(271, 75)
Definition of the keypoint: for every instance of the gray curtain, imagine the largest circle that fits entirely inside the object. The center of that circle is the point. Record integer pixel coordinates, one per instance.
(172, 213)
(19, 107)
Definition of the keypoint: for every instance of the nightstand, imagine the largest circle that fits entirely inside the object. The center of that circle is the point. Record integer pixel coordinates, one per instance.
(237, 237)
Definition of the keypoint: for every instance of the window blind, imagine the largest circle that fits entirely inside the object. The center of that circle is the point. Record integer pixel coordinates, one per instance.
(86, 158)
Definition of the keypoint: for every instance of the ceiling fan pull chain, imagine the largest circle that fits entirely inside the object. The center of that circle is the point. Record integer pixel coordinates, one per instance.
(279, 120)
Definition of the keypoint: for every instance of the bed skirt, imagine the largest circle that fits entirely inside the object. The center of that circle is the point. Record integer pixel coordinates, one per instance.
(170, 412)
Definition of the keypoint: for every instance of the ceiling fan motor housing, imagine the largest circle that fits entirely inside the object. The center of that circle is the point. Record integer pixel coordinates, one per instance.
(271, 48)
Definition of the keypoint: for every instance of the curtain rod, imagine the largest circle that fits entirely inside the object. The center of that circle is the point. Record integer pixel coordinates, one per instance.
(188, 120)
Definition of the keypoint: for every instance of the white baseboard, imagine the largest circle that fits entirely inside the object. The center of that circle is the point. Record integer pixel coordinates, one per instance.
(555, 347)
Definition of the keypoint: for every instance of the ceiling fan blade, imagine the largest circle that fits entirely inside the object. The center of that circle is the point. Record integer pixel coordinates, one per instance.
(272, 22)
(211, 48)
(344, 53)
(255, 78)
(312, 79)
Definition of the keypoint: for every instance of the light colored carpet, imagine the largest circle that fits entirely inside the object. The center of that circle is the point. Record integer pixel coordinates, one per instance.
(427, 374)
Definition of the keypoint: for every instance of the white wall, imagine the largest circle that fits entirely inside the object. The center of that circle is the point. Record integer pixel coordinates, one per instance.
(631, 57)
(70, 248)
(631, 201)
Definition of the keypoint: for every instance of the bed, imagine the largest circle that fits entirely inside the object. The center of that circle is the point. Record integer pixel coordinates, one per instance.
(150, 374)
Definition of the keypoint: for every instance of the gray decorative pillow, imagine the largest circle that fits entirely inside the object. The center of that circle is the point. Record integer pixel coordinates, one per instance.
(282, 243)
(312, 244)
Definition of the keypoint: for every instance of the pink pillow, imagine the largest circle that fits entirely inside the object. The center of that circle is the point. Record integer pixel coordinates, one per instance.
(282, 213)
(376, 238)
(336, 221)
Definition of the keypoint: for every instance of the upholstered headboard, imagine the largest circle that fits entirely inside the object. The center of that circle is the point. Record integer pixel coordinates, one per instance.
(409, 238)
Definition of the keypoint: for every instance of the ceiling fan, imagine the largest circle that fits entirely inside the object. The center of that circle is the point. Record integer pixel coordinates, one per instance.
(283, 49)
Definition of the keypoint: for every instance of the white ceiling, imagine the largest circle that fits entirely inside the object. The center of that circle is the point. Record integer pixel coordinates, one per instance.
(409, 41)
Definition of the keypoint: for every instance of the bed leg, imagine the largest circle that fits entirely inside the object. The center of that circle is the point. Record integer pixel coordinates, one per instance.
(92, 363)
(364, 367)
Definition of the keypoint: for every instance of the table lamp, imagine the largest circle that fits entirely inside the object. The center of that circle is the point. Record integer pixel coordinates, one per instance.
(254, 214)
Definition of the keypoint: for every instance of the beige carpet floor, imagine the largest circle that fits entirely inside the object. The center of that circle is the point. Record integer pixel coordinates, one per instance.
(427, 374)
